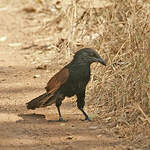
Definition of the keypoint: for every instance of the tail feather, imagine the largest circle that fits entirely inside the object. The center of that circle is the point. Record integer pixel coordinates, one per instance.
(40, 101)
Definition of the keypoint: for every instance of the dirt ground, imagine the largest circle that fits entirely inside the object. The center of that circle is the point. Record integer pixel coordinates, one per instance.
(20, 128)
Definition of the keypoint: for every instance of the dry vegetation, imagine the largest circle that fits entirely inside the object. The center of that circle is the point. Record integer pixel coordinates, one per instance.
(120, 31)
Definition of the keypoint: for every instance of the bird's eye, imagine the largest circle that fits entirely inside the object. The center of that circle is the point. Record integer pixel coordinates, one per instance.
(93, 55)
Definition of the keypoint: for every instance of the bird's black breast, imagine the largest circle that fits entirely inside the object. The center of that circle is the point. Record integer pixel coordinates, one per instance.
(79, 76)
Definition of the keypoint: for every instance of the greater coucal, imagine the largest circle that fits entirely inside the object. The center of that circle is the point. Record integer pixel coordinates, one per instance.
(69, 81)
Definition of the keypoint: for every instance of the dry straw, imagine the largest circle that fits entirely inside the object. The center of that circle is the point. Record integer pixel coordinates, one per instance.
(120, 31)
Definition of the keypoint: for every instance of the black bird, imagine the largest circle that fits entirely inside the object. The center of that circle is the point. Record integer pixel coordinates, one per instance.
(69, 81)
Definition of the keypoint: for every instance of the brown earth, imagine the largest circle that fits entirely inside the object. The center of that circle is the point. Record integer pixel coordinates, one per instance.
(24, 129)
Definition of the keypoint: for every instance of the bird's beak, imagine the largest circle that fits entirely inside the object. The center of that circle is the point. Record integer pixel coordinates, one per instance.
(101, 61)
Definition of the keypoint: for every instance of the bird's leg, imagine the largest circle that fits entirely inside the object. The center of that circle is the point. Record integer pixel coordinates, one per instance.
(58, 104)
(85, 114)
(60, 116)
(81, 103)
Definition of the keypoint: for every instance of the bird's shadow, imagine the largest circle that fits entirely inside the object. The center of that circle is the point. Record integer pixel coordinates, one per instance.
(35, 118)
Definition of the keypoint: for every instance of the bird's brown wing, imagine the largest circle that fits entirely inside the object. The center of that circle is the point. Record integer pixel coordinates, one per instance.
(57, 80)
(53, 85)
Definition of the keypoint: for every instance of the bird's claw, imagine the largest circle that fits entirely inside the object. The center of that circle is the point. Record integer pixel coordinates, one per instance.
(88, 119)
(62, 120)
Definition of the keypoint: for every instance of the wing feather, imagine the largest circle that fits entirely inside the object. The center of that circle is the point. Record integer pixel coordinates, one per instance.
(57, 80)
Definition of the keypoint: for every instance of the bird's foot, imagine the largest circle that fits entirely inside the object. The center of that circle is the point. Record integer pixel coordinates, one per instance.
(87, 118)
(62, 120)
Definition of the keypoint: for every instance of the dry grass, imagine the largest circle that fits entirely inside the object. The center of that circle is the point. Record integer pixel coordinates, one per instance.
(120, 31)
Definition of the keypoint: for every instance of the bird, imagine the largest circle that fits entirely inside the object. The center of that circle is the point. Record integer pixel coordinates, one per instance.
(71, 80)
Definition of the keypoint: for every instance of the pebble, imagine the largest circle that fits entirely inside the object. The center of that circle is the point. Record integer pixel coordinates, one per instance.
(69, 137)
(37, 76)
(93, 127)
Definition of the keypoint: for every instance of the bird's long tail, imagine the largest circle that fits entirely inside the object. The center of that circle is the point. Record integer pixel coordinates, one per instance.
(41, 101)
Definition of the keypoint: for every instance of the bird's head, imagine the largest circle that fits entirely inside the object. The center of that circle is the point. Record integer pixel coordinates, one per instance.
(88, 55)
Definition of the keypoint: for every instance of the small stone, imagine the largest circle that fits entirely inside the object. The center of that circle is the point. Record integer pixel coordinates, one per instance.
(93, 127)
(2, 39)
(14, 44)
(69, 137)
(99, 135)
(37, 76)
